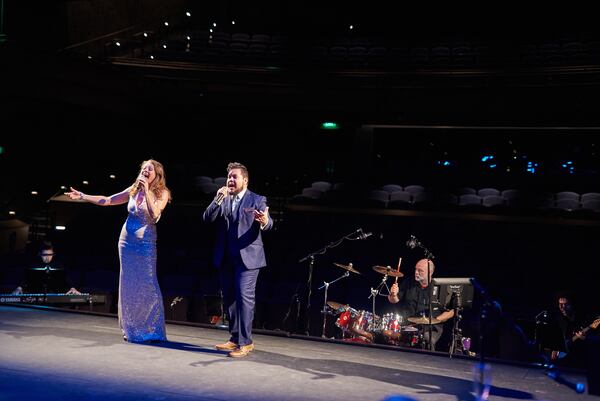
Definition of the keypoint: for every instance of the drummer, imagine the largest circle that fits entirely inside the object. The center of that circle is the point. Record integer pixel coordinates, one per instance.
(412, 297)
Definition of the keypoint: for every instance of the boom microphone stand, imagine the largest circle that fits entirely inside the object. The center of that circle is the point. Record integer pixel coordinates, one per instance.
(355, 235)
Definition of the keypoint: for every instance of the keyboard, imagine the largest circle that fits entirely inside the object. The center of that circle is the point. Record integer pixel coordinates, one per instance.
(52, 299)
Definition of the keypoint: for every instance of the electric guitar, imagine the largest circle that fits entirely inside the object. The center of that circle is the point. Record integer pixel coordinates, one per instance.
(578, 336)
(593, 326)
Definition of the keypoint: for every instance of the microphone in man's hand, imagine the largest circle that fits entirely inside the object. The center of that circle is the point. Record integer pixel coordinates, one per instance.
(219, 198)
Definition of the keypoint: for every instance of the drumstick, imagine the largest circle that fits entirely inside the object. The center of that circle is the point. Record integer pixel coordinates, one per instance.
(399, 261)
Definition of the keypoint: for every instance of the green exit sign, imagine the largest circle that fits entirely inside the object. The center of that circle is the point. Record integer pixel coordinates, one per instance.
(330, 125)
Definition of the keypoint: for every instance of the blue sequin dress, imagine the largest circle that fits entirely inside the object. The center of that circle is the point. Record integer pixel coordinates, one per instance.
(141, 311)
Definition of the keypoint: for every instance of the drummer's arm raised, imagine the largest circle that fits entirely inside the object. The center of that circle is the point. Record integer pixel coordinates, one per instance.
(393, 297)
(449, 314)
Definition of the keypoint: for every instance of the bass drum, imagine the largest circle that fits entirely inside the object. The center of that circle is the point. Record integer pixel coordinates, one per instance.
(345, 318)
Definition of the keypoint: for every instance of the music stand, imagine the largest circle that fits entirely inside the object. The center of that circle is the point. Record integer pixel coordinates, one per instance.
(457, 294)
(45, 280)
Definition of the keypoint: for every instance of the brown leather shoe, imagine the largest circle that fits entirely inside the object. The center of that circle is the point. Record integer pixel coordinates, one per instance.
(228, 346)
(242, 351)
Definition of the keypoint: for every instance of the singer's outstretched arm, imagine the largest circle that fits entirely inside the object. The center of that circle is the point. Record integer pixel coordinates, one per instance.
(101, 200)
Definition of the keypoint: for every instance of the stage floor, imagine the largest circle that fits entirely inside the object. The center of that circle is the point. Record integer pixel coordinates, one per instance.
(52, 355)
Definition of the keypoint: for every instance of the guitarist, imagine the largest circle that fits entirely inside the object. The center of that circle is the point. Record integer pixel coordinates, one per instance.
(568, 331)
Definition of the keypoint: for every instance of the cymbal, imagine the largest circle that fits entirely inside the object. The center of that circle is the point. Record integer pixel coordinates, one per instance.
(45, 268)
(336, 305)
(423, 320)
(348, 267)
(388, 270)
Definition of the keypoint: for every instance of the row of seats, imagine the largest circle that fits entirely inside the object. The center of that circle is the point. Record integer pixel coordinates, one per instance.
(202, 45)
(404, 200)
(516, 194)
(396, 196)
(558, 53)
(547, 203)
(508, 194)
(213, 49)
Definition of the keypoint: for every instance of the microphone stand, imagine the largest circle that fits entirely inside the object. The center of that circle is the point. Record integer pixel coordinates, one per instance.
(311, 261)
(540, 319)
(311, 264)
(326, 286)
(224, 320)
(430, 290)
(294, 300)
(46, 276)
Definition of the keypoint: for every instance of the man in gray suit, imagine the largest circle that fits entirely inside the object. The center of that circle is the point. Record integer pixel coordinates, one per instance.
(240, 216)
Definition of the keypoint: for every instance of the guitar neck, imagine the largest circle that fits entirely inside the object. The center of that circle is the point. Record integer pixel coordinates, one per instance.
(583, 331)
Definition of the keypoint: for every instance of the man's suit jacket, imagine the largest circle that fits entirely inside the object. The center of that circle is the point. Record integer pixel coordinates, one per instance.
(249, 239)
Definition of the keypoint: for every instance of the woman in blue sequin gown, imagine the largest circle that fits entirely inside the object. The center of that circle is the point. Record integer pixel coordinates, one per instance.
(141, 311)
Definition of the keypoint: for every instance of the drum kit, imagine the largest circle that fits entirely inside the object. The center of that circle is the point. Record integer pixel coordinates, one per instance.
(366, 326)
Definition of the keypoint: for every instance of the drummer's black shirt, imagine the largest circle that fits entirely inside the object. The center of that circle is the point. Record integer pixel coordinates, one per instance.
(414, 300)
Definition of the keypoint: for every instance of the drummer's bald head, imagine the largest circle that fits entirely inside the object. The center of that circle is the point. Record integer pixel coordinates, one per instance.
(423, 263)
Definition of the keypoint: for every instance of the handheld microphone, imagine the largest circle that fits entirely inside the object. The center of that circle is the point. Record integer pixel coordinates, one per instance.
(140, 184)
(219, 198)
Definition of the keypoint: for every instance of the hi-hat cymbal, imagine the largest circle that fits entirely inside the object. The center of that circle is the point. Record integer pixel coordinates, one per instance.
(348, 267)
(423, 320)
(336, 305)
(388, 270)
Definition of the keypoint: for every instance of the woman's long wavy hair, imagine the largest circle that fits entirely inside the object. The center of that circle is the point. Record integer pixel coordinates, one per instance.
(158, 186)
